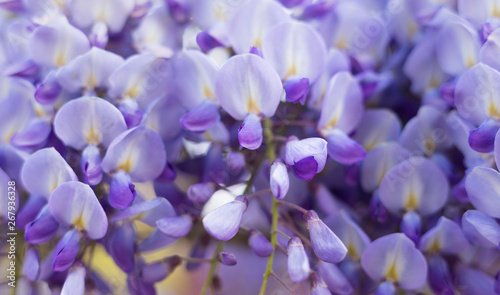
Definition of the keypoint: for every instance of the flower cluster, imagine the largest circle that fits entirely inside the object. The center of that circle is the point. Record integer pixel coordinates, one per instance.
(251, 146)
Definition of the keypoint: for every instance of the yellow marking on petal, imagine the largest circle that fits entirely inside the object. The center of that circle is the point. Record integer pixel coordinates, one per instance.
(60, 60)
(429, 146)
(79, 223)
(411, 203)
(469, 62)
(292, 71)
(435, 246)
(495, 12)
(93, 136)
(207, 92)
(252, 106)
(219, 13)
(351, 249)
(126, 166)
(434, 83)
(392, 274)
(133, 92)
(332, 122)
(493, 111)
(257, 43)
(341, 44)
(91, 82)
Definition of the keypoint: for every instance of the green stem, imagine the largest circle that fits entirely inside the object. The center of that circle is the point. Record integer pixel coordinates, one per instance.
(274, 211)
(209, 279)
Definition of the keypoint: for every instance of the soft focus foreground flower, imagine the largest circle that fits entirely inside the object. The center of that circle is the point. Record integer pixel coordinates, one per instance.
(250, 146)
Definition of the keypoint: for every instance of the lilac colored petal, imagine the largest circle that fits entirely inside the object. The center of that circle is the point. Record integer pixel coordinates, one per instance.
(411, 226)
(376, 127)
(75, 282)
(349, 232)
(259, 244)
(491, 47)
(75, 203)
(446, 237)
(477, 94)
(121, 246)
(298, 263)
(378, 162)
(194, 79)
(395, 258)
(342, 106)
(91, 165)
(407, 187)
(57, 43)
(113, 13)
(296, 89)
(223, 222)
(88, 120)
(482, 138)
(168, 174)
(458, 47)
(447, 91)
(33, 135)
(66, 250)
(279, 182)
(326, 245)
(343, 149)
(147, 211)
(42, 228)
(316, 9)
(483, 188)
(180, 10)
(248, 84)
(90, 70)
(25, 69)
(175, 227)
(55, 172)
(295, 49)
(481, 229)
(199, 193)
(29, 210)
(226, 258)
(139, 152)
(496, 149)
(206, 42)
(154, 272)
(251, 21)
(131, 113)
(201, 118)
(138, 287)
(425, 133)
(334, 278)
(486, 29)
(121, 191)
(141, 77)
(31, 264)
(250, 132)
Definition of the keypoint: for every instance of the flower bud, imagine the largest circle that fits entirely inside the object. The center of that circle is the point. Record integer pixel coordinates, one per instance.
(259, 244)
(318, 285)
(91, 165)
(411, 225)
(235, 162)
(279, 179)
(200, 193)
(226, 258)
(326, 245)
(296, 89)
(250, 132)
(298, 263)
(66, 250)
(223, 222)
(306, 157)
(42, 229)
(121, 191)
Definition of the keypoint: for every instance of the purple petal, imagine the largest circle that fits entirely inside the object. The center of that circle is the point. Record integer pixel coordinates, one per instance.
(121, 191)
(91, 165)
(75, 203)
(481, 229)
(490, 48)
(482, 139)
(318, 286)
(385, 288)
(298, 263)
(440, 279)
(305, 168)
(226, 258)
(42, 228)
(66, 250)
(223, 222)
(206, 41)
(201, 118)
(446, 237)
(297, 150)
(48, 91)
(250, 132)
(175, 227)
(235, 162)
(377, 126)
(343, 149)
(155, 241)
(33, 135)
(411, 226)
(31, 264)
(326, 245)
(121, 246)
(199, 193)
(296, 89)
(29, 210)
(334, 278)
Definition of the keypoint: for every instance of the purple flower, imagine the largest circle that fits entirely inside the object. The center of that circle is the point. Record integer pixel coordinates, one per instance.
(226, 258)
(259, 244)
(279, 179)
(298, 263)
(326, 245)
(223, 222)
(306, 157)
(175, 227)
